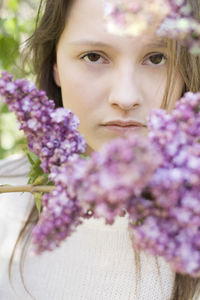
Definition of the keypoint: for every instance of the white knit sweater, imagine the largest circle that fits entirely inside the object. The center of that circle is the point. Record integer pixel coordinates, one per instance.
(96, 262)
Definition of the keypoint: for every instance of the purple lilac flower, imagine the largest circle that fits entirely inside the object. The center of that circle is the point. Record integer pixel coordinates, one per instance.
(165, 219)
(120, 170)
(134, 17)
(157, 180)
(173, 19)
(162, 195)
(181, 24)
(59, 218)
(98, 187)
(52, 133)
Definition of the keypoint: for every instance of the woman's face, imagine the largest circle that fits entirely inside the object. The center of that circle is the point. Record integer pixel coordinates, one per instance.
(106, 77)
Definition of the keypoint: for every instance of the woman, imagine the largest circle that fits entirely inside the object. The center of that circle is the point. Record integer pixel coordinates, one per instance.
(109, 82)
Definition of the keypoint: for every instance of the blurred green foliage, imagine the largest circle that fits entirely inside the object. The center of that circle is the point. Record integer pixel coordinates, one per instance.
(17, 21)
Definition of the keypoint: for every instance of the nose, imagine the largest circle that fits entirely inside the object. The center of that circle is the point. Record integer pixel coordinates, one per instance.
(125, 91)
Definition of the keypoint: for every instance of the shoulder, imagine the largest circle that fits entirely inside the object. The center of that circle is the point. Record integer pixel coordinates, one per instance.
(14, 208)
(14, 171)
(14, 166)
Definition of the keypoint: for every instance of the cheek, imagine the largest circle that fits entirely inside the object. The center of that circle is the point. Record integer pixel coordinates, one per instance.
(76, 90)
(153, 87)
(82, 88)
(83, 96)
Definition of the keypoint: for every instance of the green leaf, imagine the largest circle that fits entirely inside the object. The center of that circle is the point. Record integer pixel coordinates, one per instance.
(38, 201)
(41, 180)
(9, 51)
(35, 170)
(36, 174)
(33, 158)
(4, 108)
(11, 28)
(84, 156)
(13, 5)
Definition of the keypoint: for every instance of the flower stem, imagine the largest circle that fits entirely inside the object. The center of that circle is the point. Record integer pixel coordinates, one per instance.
(26, 188)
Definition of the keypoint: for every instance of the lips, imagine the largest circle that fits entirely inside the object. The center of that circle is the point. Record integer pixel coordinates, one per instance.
(124, 126)
(121, 123)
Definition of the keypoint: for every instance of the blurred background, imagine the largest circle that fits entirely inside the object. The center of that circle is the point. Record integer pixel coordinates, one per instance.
(17, 22)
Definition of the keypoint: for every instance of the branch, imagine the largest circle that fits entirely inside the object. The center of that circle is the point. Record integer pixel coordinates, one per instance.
(26, 188)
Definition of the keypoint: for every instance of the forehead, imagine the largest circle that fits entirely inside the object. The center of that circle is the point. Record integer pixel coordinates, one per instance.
(85, 22)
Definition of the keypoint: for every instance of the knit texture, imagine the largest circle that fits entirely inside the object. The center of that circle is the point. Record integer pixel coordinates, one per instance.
(97, 262)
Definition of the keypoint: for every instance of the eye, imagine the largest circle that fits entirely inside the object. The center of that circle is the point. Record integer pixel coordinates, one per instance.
(157, 59)
(92, 57)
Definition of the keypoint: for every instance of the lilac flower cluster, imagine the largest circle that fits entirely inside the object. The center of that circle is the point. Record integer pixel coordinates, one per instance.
(156, 180)
(161, 196)
(61, 212)
(172, 19)
(181, 24)
(165, 219)
(99, 186)
(59, 218)
(52, 133)
(134, 17)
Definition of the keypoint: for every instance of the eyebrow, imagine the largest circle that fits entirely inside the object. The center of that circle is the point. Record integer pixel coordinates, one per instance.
(158, 44)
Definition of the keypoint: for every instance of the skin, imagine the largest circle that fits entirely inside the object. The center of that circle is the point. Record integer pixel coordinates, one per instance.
(124, 79)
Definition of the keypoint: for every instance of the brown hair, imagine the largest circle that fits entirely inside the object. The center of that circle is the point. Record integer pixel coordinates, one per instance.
(41, 49)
